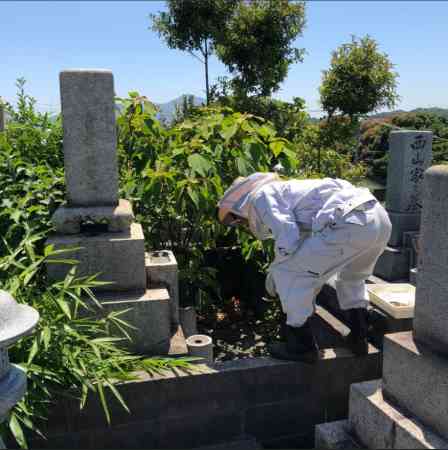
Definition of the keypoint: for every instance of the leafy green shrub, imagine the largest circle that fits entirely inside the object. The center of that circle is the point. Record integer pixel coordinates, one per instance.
(374, 141)
(175, 177)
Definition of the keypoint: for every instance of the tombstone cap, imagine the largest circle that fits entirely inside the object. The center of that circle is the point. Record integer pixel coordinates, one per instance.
(15, 320)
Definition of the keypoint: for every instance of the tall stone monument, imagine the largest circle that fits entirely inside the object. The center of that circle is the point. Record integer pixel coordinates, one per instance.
(98, 225)
(16, 321)
(408, 408)
(410, 155)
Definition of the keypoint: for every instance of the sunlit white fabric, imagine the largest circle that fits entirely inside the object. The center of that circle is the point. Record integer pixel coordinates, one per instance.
(321, 228)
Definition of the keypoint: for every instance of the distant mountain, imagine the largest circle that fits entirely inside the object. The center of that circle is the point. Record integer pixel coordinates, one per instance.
(167, 110)
(439, 111)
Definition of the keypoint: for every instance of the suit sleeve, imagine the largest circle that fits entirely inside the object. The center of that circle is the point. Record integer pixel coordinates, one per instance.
(276, 214)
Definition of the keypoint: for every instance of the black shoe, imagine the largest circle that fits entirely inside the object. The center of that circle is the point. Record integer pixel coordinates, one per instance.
(300, 345)
(358, 321)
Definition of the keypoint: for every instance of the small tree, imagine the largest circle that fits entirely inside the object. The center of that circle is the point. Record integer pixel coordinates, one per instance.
(257, 44)
(360, 80)
(193, 26)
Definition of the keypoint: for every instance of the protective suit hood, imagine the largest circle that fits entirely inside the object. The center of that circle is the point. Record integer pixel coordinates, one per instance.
(236, 198)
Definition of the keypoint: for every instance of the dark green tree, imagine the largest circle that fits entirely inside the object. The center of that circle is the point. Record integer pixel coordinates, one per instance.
(360, 80)
(193, 26)
(257, 44)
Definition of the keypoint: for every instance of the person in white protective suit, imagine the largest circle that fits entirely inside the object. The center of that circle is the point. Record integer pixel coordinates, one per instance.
(321, 228)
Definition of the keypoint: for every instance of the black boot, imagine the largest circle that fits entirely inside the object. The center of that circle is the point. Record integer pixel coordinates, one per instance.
(359, 325)
(300, 344)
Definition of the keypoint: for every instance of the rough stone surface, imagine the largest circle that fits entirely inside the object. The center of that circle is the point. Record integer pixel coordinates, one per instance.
(334, 435)
(402, 223)
(431, 305)
(69, 220)
(162, 271)
(413, 276)
(416, 379)
(149, 313)
(393, 264)
(411, 241)
(118, 257)
(188, 320)
(262, 397)
(12, 389)
(410, 154)
(379, 424)
(88, 117)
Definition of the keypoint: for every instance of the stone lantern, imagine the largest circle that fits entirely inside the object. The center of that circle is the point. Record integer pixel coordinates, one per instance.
(16, 321)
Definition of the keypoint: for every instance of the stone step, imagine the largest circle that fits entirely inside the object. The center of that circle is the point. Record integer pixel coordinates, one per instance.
(335, 436)
(393, 264)
(380, 424)
(416, 379)
(149, 314)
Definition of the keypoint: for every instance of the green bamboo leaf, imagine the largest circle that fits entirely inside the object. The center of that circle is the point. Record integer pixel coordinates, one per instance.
(33, 351)
(17, 431)
(65, 308)
(103, 401)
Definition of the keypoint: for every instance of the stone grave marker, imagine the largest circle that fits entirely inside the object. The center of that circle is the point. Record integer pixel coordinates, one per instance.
(410, 155)
(96, 226)
(408, 407)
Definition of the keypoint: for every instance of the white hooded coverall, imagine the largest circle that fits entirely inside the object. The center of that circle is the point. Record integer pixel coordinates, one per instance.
(321, 227)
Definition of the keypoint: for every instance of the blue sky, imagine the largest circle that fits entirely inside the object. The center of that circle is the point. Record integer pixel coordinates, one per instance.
(38, 39)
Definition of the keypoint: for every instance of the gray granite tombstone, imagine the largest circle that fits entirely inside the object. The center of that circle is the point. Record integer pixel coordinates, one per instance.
(431, 309)
(410, 154)
(90, 156)
(96, 227)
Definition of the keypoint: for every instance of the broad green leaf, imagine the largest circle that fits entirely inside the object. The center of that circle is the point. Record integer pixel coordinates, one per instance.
(199, 164)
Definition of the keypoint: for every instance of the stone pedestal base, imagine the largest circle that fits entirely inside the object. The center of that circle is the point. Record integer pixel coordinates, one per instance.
(380, 424)
(393, 264)
(402, 222)
(118, 257)
(376, 423)
(72, 219)
(416, 379)
(149, 314)
(162, 272)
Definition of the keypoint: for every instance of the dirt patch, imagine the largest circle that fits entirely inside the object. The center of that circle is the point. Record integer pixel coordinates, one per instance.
(241, 332)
